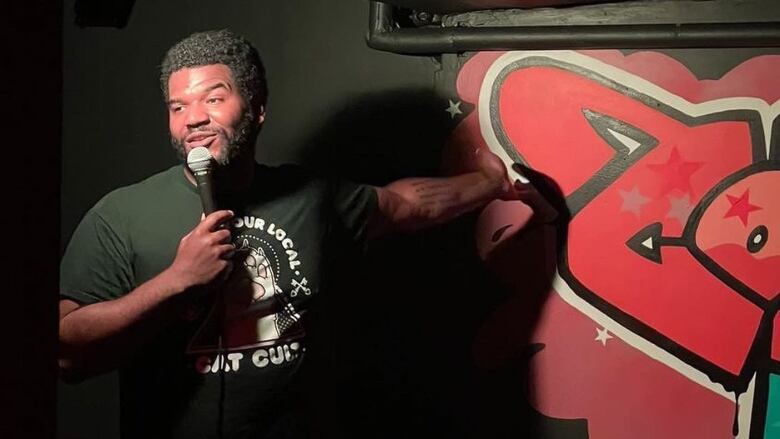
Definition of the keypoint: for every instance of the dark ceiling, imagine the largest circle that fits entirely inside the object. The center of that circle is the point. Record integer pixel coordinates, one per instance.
(442, 6)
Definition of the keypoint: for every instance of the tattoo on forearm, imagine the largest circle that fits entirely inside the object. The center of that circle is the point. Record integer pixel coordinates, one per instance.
(421, 186)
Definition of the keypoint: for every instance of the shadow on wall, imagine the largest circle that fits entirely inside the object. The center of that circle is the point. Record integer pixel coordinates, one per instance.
(403, 318)
(379, 137)
(525, 265)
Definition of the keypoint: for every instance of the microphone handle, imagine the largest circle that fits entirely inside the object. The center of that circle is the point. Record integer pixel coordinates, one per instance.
(203, 179)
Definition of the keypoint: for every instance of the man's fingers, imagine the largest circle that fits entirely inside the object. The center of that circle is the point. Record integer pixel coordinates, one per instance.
(222, 236)
(523, 188)
(215, 219)
(226, 251)
(526, 191)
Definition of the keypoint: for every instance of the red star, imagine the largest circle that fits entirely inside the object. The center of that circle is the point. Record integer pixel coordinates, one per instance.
(676, 173)
(741, 207)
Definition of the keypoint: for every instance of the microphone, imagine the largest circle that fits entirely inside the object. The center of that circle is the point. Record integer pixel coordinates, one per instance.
(200, 163)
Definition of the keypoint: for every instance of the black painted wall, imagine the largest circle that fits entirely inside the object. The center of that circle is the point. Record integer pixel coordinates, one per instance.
(31, 90)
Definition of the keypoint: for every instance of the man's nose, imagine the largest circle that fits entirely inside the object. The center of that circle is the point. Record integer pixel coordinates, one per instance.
(196, 116)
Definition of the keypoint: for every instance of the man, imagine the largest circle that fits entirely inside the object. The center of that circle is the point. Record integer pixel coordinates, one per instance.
(205, 316)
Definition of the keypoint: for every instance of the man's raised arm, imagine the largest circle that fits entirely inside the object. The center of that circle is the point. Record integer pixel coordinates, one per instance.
(415, 203)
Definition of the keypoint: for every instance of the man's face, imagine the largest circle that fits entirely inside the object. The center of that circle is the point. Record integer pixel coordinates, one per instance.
(205, 108)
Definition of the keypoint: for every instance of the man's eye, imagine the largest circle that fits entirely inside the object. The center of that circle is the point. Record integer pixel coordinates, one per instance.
(176, 109)
(214, 100)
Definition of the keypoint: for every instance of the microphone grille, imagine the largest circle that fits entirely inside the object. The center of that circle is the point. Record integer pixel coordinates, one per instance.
(199, 159)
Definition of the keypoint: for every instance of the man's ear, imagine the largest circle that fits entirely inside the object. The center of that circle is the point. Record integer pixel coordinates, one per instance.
(261, 115)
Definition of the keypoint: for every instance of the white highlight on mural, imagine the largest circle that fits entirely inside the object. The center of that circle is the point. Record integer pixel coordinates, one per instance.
(630, 143)
(454, 109)
(768, 113)
(746, 410)
(602, 335)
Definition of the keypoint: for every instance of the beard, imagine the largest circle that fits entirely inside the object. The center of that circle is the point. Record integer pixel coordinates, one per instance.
(238, 143)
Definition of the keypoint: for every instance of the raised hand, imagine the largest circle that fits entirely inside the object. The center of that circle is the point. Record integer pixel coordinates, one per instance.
(493, 168)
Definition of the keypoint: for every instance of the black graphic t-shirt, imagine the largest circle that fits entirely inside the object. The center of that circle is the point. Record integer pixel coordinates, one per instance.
(226, 367)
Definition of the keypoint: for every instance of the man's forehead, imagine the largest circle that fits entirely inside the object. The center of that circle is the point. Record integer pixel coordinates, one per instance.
(193, 79)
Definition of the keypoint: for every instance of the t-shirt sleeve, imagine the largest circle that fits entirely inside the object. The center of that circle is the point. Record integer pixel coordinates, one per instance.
(97, 264)
(354, 204)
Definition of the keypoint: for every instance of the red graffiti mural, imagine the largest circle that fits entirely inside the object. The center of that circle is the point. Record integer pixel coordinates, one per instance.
(667, 286)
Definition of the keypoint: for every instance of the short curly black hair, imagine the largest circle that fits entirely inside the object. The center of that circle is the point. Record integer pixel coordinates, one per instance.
(220, 47)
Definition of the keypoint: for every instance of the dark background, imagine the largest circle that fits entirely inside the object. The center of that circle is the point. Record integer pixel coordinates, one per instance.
(406, 322)
(30, 89)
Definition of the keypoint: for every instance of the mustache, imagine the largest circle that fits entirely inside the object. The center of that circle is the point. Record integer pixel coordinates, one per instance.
(242, 137)
(206, 129)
